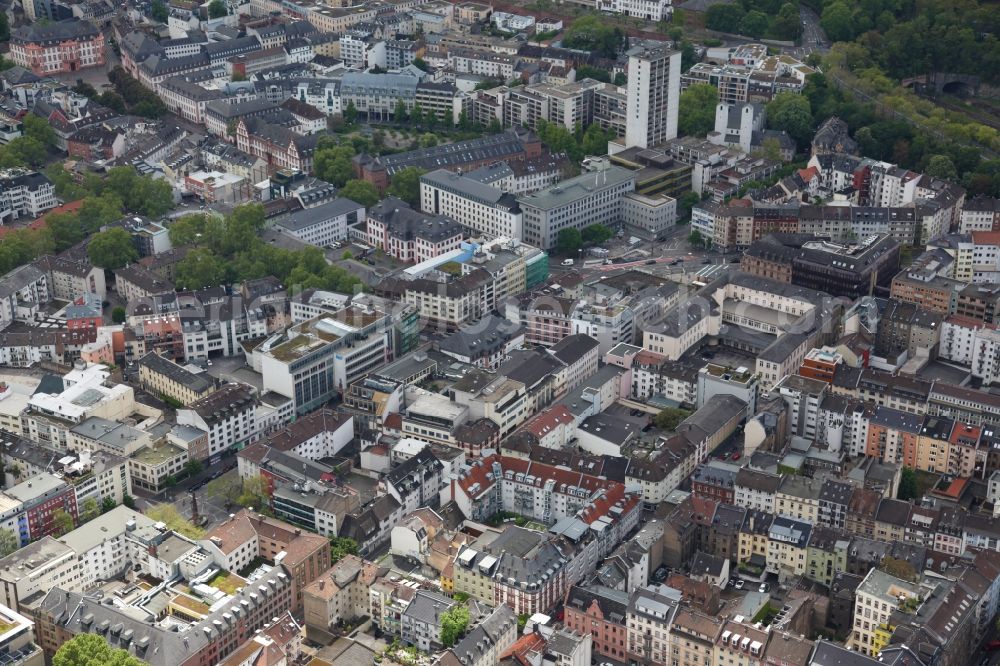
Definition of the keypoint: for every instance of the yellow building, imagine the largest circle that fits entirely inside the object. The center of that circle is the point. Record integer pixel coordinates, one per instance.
(163, 377)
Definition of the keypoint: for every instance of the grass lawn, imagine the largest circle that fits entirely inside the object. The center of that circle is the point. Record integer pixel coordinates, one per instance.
(167, 513)
(533, 525)
(227, 582)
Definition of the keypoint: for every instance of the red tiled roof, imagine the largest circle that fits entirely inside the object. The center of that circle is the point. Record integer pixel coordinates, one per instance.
(965, 433)
(394, 421)
(968, 322)
(545, 422)
(986, 237)
(526, 644)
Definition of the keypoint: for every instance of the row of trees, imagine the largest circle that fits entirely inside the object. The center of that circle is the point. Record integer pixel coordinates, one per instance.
(229, 249)
(773, 19)
(905, 38)
(129, 96)
(103, 203)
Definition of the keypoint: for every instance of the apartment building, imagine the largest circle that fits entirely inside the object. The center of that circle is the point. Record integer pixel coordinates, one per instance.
(228, 415)
(650, 614)
(24, 194)
(163, 377)
(875, 601)
(654, 87)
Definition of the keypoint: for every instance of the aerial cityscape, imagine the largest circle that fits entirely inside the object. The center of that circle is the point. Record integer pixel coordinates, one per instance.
(499, 333)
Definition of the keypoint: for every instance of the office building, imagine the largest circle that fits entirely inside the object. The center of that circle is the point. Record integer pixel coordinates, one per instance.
(590, 198)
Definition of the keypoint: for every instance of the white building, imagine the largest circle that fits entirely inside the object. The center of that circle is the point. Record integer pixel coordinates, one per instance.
(314, 360)
(324, 224)
(25, 194)
(651, 10)
(649, 215)
(471, 203)
(590, 198)
(736, 123)
(654, 85)
(228, 416)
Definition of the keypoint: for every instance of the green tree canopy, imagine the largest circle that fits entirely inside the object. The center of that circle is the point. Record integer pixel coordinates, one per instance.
(595, 234)
(340, 547)
(941, 166)
(112, 249)
(670, 417)
(591, 32)
(158, 10)
(569, 241)
(92, 650)
(333, 164)
(696, 110)
(908, 489)
(62, 523)
(791, 112)
(8, 542)
(453, 624)
(360, 191)
(89, 510)
(217, 9)
(406, 185)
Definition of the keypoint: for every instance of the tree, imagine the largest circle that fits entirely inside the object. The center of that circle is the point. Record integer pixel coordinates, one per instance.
(941, 166)
(595, 140)
(350, 113)
(62, 523)
(907, 485)
(4, 28)
(107, 504)
(594, 33)
(791, 112)
(595, 234)
(340, 547)
(400, 115)
(898, 568)
(8, 542)
(159, 11)
(89, 510)
(217, 9)
(696, 110)
(406, 185)
(670, 417)
(838, 22)
(347, 256)
(199, 269)
(333, 164)
(687, 201)
(754, 24)
(417, 115)
(569, 241)
(255, 495)
(453, 624)
(92, 650)
(696, 239)
(118, 315)
(420, 63)
(112, 249)
(192, 467)
(360, 191)
(129, 501)
(39, 130)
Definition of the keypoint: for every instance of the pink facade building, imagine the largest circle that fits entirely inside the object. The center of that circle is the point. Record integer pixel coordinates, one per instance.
(409, 235)
(56, 48)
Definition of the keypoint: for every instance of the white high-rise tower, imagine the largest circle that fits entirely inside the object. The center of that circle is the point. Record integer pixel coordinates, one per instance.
(654, 88)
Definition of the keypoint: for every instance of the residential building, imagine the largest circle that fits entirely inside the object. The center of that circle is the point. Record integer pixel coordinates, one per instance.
(163, 377)
(875, 601)
(227, 415)
(653, 94)
(339, 594)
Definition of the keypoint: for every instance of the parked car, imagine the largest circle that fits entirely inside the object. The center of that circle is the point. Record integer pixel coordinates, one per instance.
(651, 262)
(567, 262)
(764, 588)
(736, 456)
(739, 584)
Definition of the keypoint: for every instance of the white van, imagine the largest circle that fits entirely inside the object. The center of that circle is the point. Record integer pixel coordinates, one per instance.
(567, 262)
